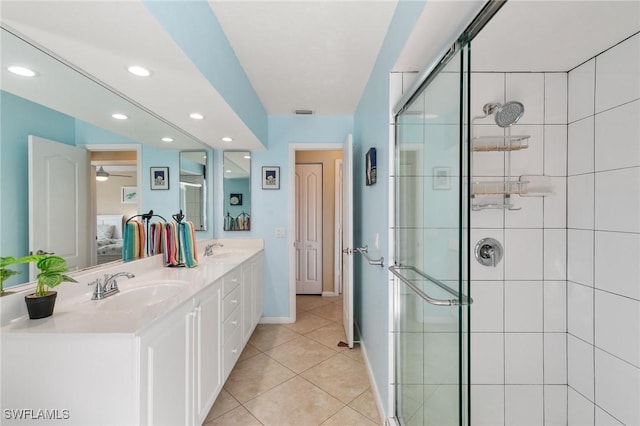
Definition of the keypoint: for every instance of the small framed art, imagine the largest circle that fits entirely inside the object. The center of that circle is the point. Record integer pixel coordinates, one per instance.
(270, 177)
(159, 178)
(442, 178)
(371, 167)
(129, 195)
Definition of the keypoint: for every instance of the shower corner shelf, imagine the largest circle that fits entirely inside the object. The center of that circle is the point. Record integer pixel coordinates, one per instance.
(499, 143)
(500, 187)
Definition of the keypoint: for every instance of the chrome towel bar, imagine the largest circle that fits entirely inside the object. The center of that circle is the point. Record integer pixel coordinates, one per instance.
(464, 300)
(363, 251)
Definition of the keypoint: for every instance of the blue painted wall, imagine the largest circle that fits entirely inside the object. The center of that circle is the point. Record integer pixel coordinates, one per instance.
(19, 119)
(371, 129)
(195, 28)
(237, 186)
(270, 207)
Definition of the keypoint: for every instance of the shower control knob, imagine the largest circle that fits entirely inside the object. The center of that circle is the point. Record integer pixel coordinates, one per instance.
(489, 252)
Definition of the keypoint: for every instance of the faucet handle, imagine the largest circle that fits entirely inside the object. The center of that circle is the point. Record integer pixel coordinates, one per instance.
(96, 283)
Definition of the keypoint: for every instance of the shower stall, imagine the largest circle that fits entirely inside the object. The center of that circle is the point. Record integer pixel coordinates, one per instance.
(517, 222)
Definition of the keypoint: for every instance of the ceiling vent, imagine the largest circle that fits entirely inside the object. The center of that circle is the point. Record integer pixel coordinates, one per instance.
(303, 112)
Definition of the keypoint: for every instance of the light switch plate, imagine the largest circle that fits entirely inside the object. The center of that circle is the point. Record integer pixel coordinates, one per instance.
(280, 232)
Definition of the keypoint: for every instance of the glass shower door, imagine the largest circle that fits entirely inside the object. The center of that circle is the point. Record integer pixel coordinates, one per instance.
(431, 252)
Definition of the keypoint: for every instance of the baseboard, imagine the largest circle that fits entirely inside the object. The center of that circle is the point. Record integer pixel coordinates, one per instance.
(374, 387)
(328, 294)
(275, 320)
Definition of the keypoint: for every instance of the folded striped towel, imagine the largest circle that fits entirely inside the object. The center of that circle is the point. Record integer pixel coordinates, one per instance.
(133, 240)
(171, 256)
(157, 242)
(188, 255)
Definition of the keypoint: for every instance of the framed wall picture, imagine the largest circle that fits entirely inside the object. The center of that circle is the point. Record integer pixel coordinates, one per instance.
(235, 199)
(159, 178)
(129, 194)
(371, 167)
(442, 178)
(270, 177)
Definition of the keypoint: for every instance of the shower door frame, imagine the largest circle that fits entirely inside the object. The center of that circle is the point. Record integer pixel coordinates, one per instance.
(461, 43)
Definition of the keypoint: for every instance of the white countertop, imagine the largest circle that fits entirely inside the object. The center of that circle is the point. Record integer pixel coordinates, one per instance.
(76, 313)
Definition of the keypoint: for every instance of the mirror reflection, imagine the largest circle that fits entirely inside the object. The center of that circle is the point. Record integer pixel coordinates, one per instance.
(63, 106)
(193, 187)
(237, 190)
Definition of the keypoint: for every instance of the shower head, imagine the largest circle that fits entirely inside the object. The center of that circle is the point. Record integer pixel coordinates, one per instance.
(506, 115)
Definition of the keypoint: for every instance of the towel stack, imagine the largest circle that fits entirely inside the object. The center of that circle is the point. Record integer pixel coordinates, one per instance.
(179, 244)
(156, 243)
(171, 255)
(188, 244)
(134, 240)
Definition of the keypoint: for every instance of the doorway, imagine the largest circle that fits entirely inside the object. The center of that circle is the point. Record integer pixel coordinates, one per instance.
(115, 199)
(325, 155)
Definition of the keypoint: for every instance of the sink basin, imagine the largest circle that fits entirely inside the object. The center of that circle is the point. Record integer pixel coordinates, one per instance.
(224, 253)
(141, 296)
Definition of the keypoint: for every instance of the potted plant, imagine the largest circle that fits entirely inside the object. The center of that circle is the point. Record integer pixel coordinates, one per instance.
(52, 273)
(5, 272)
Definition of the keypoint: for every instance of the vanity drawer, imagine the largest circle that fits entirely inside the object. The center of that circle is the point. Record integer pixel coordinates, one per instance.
(230, 281)
(231, 302)
(231, 324)
(231, 352)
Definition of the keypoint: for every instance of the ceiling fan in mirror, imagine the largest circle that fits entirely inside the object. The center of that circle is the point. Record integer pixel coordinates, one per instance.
(102, 174)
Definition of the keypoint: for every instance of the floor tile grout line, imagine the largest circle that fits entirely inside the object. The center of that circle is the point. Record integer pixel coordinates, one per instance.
(336, 352)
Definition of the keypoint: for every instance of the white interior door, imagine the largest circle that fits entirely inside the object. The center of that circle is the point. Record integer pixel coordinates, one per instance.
(347, 239)
(58, 201)
(309, 228)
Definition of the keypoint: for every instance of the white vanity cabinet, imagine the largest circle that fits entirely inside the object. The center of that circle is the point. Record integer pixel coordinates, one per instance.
(180, 362)
(207, 344)
(116, 368)
(252, 284)
(165, 376)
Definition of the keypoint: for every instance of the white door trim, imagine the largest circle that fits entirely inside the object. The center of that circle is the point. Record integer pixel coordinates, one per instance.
(337, 255)
(291, 179)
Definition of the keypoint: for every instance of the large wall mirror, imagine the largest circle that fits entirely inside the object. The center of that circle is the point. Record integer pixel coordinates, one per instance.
(62, 105)
(237, 190)
(193, 187)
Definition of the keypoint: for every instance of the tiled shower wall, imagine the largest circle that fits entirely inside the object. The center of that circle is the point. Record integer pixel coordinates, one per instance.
(603, 221)
(518, 318)
(545, 350)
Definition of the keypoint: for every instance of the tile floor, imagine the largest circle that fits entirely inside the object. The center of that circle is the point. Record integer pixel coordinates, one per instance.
(295, 374)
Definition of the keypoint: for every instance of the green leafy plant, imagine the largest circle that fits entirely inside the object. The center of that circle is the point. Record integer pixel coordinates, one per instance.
(5, 272)
(52, 271)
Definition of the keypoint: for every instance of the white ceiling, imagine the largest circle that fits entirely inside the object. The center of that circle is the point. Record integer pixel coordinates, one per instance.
(314, 55)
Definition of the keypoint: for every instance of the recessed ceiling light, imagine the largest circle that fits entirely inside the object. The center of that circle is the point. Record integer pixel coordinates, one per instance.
(227, 171)
(119, 116)
(139, 71)
(196, 116)
(22, 71)
(247, 157)
(167, 140)
(227, 139)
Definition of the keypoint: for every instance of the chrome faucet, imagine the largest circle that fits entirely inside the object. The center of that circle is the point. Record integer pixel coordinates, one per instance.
(109, 287)
(208, 249)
